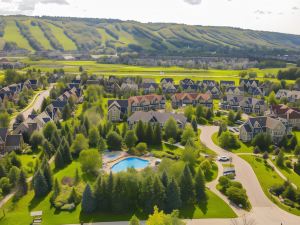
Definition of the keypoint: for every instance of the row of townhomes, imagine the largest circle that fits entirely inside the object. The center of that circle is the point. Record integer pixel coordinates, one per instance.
(278, 121)
(289, 95)
(119, 109)
(52, 112)
(247, 105)
(9, 142)
(277, 128)
(11, 92)
(167, 86)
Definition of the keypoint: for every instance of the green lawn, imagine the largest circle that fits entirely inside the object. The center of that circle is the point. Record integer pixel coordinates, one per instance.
(25, 160)
(267, 177)
(289, 174)
(245, 148)
(18, 213)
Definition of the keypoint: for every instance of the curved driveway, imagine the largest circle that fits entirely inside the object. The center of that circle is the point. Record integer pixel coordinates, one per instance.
(264, 212)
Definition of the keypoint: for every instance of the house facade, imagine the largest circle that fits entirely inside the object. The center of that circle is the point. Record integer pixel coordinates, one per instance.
(9, 142)
(154, 118)
(274, 127)
(194, 99)
(117, 110)
(292, 115)
(146, 103)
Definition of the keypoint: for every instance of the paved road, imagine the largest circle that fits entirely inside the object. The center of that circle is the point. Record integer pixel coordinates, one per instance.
(35, 104)
(264, 212)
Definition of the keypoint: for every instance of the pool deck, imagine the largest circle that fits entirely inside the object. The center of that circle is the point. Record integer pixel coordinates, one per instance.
(108, 164)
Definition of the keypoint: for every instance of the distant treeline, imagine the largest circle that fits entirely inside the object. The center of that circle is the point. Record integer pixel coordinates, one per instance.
(2, 26)
(291, 74)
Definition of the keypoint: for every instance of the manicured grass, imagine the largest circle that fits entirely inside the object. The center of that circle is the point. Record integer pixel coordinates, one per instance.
(289, 174)
(267, 177)
(245, 148)
(12, 34)
(25, 160)
(215, 208)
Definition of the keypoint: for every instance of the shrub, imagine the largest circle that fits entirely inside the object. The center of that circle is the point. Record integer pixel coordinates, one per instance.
(68, 207)
(228, 141)
(265, 155)
(141, 147)
(288, 164)
(277, 189)
(237, 196)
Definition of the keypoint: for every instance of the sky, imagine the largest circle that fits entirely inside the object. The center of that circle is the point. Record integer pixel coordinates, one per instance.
(269, 15)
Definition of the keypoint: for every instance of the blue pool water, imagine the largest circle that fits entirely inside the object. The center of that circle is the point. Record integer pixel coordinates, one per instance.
(132, 162)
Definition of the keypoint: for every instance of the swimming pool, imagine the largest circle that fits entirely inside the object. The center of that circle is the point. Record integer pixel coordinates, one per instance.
(131, 162)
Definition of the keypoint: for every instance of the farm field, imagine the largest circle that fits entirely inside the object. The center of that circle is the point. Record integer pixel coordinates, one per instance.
(156, 73)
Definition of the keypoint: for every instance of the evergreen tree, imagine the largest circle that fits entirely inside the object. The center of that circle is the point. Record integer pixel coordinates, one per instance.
(159, 193)
(117, 196)
(124, 129)
(173, 200)
(98, 192)
(48, 147)
(102, 146)
(88, 204)
(146, 195)
(3, 172)
(56, 191)
(157, 135)
(70, 138)
(77, 177)
(200, 186)
(59, 161)
(130, 139)
(66, 112)
(165, 179)
(171, 129)
(110, 186)
(194, 124)
(65, 152)
(86, 124)
(140, 131)
(149, 137)
(94, 137)
(47, 173)
(22, 184)
(14, 160)
(293, 142)
(134, 221)
(40, 186)
(73, 198)
(186, 186)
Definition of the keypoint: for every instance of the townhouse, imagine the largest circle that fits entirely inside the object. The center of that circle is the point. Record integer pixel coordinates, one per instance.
(292, 115)
(291, 96)
(247, 105)
(146, 103)
(154, 118)
(117, 110)
(9, 142)
(194, 99)
(276, 128)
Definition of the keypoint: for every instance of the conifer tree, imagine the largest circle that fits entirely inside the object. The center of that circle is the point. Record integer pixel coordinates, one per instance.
(73, 198)
(139, 131)
(159, 193)
(94, 137)
(77, 177)
(47, 173)
(147, 195)
(173, 200)
(117, 200)
(3, 172)
(102, 146)
(59, 162)
(48, 147)
(149, 135)
(186, 186)
(200, 186)
(110, 186)
(65, 151)
(56, 191)
(165, 179)
(134, 221)
(157, 135)
(88, 204)
(22, 184)
(40, 186)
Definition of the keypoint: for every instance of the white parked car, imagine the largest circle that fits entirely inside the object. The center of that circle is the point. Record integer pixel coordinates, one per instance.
(223, 158)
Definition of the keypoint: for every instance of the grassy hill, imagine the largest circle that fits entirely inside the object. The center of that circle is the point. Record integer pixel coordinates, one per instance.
(100, 36)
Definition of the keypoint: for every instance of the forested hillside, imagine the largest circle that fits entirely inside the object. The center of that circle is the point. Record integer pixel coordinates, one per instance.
(100, 36)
